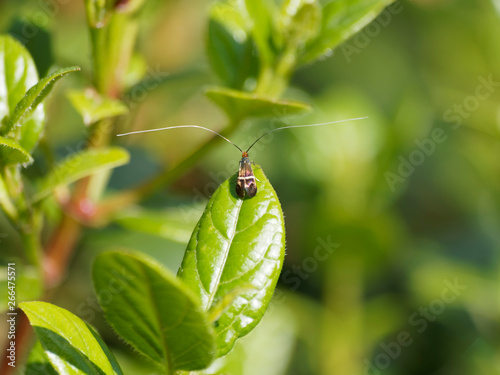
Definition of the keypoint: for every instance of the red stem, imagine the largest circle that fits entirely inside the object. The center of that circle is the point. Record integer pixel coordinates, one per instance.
(23, 338)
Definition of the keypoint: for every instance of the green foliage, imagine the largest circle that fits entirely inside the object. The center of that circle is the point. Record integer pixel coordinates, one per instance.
(168, 224)
(71, 345)
(113, 30)
(94, 107)
(98, 12)
(234, 62)
(18, 75)
(38, 363)
(260, 22)
(21, 115)
(239, 105)
(168, 324)
(13, 153)
(284, 36)
(28, 286)
(22, 120)
(341, 19)
(29, 135)
(238, 245)
(80, 165)
(235, 253)
(300, 22)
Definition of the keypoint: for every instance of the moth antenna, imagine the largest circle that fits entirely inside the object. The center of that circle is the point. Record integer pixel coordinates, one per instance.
(180, 126)
(304, 126)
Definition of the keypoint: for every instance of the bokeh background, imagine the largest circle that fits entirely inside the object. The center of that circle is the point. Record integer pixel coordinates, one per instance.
(393, 222)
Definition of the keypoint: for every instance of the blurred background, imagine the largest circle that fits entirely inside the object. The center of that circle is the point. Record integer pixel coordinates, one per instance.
(393, 237)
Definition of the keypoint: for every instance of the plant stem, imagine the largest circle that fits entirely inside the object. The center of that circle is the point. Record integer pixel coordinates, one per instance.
(264, 81)
(23, 337)
(272, 81)
(112, 40)
(30, 238)
(98, 37)
(5, 202)
(59, 249)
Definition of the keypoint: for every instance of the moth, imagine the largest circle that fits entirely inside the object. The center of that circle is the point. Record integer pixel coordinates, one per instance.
(246, 185)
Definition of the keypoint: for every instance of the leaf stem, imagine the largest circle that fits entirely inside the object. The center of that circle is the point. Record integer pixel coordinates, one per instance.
(5, 202)
(30, 236)
(98, 36)
(266, 76)
(272, 81)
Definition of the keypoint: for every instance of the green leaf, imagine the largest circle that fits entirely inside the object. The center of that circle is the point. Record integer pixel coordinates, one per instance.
(12, 153)
(17, 75)
(261, 26)
(233, 61)
(233, 15)
(38, 363)
(136, 70)
(39, 44)
(98, 12)
(112, 40)
(80, 165)
(341, 20)
(29, 103)
(300, 21)
(71, 345)
(6, 203)
(237, 247)
(169, 224)
(239, 105)
(94, 107)
(225, 302)
(169, 326)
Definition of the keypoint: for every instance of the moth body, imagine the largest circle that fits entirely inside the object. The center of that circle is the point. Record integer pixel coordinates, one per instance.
(245, 183)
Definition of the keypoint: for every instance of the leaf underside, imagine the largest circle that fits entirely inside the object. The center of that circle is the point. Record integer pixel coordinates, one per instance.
(240, 104)
(153, 311)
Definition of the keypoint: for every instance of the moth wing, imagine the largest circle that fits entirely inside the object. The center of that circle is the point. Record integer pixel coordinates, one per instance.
(251, 189)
